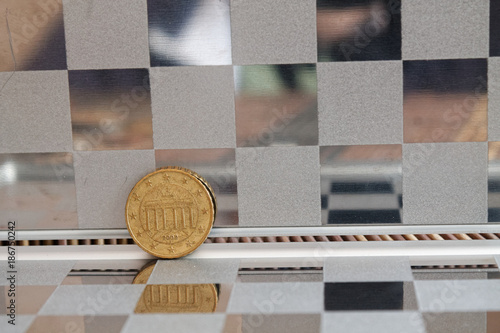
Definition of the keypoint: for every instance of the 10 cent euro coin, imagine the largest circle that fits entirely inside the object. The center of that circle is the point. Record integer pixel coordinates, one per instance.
(170, 212)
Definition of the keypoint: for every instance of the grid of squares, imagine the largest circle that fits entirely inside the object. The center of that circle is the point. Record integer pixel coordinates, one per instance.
(348, 294)
(300, 112)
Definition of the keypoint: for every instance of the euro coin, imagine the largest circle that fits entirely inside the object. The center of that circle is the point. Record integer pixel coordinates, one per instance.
(170, 212)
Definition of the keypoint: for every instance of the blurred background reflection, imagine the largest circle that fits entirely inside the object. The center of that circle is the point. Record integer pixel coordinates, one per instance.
(111, 109)
(276, 105)
(38, 191)
(189, 32)
(358, 30)
(445, 100)
(35, 31)
(361, 184)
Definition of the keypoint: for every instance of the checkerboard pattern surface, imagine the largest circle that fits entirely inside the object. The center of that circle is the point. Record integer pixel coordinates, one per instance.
(347, 295)
(298, 112)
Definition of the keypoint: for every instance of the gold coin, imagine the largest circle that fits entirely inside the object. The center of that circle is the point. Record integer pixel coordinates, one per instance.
(174, 298)
(177, 298)
(170, 212)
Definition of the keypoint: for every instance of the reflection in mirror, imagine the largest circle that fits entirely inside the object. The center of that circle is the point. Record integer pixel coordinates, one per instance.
(345, 296)
(39, 190)
(110, 109)
(494, 182)
(189, 32)
(456, 322)
(358, 30)
(361, 184)
(80, 324)
(36, 31)
(175, 298)
(276, 105)
(218, 168)
(445, 100)
(272, 323)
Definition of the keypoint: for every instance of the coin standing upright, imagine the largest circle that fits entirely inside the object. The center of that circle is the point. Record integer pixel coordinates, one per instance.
(170, 212)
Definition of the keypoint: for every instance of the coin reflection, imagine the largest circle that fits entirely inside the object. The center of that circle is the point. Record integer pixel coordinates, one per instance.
(174, 298)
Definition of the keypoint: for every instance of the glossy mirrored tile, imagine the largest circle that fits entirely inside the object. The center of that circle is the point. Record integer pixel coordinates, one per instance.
(38, 191)
(457, 322)
(358, 30)
(276, 105)
(111, 109)
(195, 271)
(270, 323)
(494, 28)
(82, 324)
(29, 299)
(361, 184)
(445, 101)
(494, 182)
(218, 167)
(352, 296)
(32, 36)
(192, 32)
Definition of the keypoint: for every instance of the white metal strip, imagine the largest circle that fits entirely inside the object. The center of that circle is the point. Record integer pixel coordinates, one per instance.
(279, 254)
(267, 231)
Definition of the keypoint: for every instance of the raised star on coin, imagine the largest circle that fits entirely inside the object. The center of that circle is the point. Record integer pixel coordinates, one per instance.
(201, 229)
(150, 183)
(166, 177)
(189, 243)
(154, 245)
(199, 193)
(184, 180)
(171, 249)
(133, 216)
(135, 197)
(204, 211)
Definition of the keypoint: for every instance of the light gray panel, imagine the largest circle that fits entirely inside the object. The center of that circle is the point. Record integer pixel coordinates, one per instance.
(193, 107)
(445, 183)
(364, 269)
(360, 103)
(285, 297)
(106, 34)
(273, 31)
(93, 300)
(179, 323)
(22, 324)
(34, 113)
(37, 191)
(37, 273)
(373, 321)
(463, 322)
(80, 324)
(458, 295)
(273, 323)
(278, 186)
(494, 99)
(194, 271)
(103, 182)
(445, 29)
